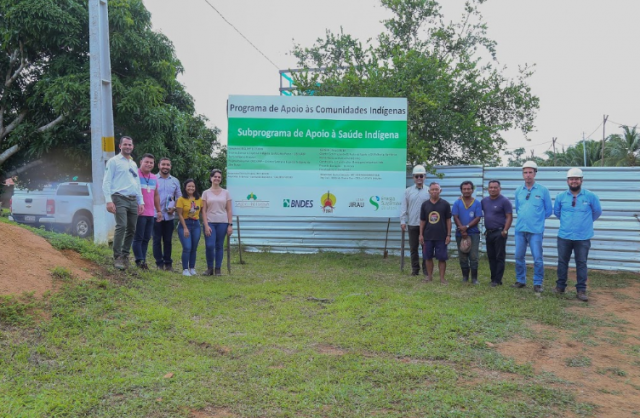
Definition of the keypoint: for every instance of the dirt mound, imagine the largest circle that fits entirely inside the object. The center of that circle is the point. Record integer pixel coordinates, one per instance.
(27, 260)
(600, 368)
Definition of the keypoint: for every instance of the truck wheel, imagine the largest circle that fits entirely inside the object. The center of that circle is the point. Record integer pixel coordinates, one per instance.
(82, 226)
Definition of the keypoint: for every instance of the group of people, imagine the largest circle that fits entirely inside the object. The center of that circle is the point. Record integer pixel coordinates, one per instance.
(428, 218)
(146, 204)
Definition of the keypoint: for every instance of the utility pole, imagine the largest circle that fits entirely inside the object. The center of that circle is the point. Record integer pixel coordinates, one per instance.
(604, 122)
(584, 149)
(554, 139)
(102, 142)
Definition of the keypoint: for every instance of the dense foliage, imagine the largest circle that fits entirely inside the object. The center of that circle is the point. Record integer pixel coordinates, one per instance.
(45, 95)
(459, 102)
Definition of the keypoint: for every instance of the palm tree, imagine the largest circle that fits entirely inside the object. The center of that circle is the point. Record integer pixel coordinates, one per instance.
(624, 150)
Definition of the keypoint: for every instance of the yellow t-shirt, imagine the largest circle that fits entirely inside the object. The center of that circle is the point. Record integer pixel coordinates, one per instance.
(190, 207)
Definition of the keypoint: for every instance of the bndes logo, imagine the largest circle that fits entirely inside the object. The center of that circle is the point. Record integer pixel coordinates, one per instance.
(295, 203)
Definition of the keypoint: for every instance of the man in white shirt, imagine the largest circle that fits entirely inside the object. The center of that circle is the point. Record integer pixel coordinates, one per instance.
(123, 194)
(414, 196)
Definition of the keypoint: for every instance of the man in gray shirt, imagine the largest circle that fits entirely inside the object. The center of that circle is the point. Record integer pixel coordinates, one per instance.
(169, 191)
(414, 196)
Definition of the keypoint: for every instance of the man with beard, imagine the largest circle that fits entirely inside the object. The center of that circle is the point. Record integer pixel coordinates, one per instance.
(123, 194)
(169, 192)
(577, 209)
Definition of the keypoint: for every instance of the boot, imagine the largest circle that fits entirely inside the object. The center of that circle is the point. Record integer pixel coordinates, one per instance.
(118, 263)
(208, 272)
(474, 276)
(217, 272)
(465, 275)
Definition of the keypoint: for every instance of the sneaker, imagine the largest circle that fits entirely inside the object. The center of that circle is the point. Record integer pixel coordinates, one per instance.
(186, 272)
(144, 266)
(494, 284)
(168, 267)
(118, 263)
(193, 272)
(558, 290)
(217, 272)
(125, 259)
(537, 288)
(208, 272)
(518, 285)
(415, 273)
(582, 295)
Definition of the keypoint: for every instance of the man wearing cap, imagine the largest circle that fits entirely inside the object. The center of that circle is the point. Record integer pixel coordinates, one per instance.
(414, 196)
(577, 209)
(533, 206)
(467, 212)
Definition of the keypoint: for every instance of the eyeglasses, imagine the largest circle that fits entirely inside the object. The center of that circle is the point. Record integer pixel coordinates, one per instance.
(133, 173)
(418, 176)
(528, 195)
(575, 198)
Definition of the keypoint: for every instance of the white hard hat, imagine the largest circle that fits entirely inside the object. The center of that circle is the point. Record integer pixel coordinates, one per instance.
(574, 172)
(530, 164)
(419, 170)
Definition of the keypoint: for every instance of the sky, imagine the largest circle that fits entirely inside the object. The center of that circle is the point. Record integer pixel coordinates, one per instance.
(585, 52)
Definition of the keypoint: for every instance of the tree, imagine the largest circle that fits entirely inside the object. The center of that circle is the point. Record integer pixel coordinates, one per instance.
(44, 101)
(458, 103)
(623, 150)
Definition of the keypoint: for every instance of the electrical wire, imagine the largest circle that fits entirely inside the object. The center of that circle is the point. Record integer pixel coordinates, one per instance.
(245, 38)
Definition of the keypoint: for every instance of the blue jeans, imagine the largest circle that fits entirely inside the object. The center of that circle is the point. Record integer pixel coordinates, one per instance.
(580, 253)
(162, 234)
(215, 244)
(190, 243)
(535, 243)
(144, 227)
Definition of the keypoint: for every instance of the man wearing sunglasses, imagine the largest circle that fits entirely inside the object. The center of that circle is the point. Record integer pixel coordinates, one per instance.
(577, 209)
(414, 196)
(123, 194)
(533, 206)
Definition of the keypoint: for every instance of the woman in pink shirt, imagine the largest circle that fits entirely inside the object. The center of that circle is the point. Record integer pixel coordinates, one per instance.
(216, 207)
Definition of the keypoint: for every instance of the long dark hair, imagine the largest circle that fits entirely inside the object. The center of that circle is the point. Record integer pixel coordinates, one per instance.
(196, 194)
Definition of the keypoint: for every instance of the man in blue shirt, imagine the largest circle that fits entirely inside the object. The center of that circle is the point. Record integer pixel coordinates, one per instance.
(467, 212)
(533, 206)
(577, 209)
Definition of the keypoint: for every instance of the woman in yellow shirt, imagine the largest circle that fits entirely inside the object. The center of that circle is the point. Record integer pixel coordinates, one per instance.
(188, 207)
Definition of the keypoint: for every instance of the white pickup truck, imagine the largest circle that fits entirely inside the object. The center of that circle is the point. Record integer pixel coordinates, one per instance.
(68, 208)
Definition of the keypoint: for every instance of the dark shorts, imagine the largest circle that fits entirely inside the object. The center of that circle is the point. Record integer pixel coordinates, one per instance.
(435, 248)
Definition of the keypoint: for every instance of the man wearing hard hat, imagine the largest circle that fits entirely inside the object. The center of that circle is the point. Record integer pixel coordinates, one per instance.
(533, 206)
(414, 196)
(577, 209)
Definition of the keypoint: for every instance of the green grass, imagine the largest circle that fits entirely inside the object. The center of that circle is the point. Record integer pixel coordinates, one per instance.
(260, 343)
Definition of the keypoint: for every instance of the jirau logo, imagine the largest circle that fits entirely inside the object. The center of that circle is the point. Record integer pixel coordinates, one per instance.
(252, 196)
(297, 203)
(375, 201)
(328, 202)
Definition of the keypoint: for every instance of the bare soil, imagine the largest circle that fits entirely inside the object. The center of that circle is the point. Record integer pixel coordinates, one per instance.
(27, 260)
(602, 368)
